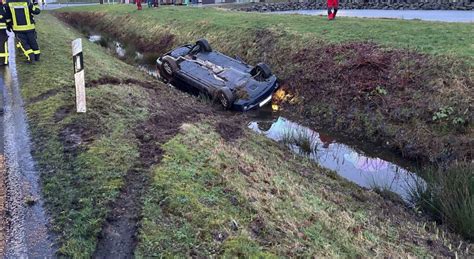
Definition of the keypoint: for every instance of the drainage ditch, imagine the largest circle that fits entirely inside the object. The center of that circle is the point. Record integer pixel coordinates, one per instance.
(348, 160)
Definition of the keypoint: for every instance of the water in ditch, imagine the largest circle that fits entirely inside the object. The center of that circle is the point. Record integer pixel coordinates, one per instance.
(121, 52)
(349, 162)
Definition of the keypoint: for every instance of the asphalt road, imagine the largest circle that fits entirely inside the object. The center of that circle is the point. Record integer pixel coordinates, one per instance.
(425, 15)
(57, 6)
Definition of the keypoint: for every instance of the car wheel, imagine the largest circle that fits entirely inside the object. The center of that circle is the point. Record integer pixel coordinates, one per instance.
(226, 98)
(168, 67)
(261, 71)
(204, 45)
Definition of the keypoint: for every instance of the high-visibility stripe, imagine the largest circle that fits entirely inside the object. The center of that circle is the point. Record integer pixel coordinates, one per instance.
(20, 46)
(3, 25)
(24, 6)
(5, 54)
(36, 52)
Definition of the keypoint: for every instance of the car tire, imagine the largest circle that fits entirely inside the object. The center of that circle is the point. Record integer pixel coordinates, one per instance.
(168, 68)
(262, 70)
(204, 45)
(226, 98)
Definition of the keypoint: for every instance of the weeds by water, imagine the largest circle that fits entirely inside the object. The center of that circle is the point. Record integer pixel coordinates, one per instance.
(385, 190)
(303, 139)
(448, 195)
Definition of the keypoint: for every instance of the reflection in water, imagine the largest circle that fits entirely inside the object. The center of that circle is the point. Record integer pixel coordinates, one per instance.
(353, 165)
(119, 49)
(117, 46)
(95, 38)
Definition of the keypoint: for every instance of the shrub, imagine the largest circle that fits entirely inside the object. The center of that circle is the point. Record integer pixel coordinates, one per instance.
(448, 195)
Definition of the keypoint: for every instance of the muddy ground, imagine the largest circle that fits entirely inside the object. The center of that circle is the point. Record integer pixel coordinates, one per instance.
(118, 237)
(412, 103)
(119, 233)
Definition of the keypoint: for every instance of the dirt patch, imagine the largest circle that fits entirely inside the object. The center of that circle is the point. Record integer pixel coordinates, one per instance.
(230, 130)
(76, 136)
(385, 96)
(119, 233)
(62, 113)
(46, 95)
(110, 80)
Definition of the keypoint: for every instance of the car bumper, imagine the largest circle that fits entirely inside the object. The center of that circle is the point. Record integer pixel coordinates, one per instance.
(256, 102)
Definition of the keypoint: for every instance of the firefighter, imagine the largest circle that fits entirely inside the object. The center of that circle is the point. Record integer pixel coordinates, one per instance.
(332, 4)
(20, 19)
(3, 36)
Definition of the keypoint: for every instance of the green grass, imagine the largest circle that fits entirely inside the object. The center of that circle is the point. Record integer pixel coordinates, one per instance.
(78, 183)
(429, 37)
(209, 197)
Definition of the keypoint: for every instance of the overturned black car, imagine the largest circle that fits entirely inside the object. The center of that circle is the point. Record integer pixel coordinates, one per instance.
(235, 84)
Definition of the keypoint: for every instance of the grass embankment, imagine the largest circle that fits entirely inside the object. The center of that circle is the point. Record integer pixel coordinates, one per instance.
(83, 157)
(418, 104)
(214, 188)
(428, 37)
(409, 89)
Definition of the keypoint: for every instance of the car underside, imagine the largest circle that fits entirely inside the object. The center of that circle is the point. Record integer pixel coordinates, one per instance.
(235, 84)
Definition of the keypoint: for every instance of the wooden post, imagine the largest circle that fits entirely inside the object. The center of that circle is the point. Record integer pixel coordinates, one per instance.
(78, 61)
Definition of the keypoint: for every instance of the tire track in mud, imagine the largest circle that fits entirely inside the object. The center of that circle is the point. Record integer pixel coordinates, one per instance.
(27, 234)
(119, 235)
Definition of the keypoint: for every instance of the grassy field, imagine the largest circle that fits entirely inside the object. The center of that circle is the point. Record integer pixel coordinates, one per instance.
(429, 37)
(208, 185)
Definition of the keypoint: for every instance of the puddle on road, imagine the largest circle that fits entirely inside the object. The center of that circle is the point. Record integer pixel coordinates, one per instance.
(362, 169)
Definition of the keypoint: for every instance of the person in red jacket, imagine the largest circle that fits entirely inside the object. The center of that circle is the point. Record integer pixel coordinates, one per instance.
(332, 4)
(139, 4)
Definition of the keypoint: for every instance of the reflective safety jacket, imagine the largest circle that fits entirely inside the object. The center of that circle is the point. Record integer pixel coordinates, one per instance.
(3, 19)
(20, 15)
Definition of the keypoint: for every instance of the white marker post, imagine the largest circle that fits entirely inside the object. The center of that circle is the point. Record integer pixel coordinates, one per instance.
(78, 61)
